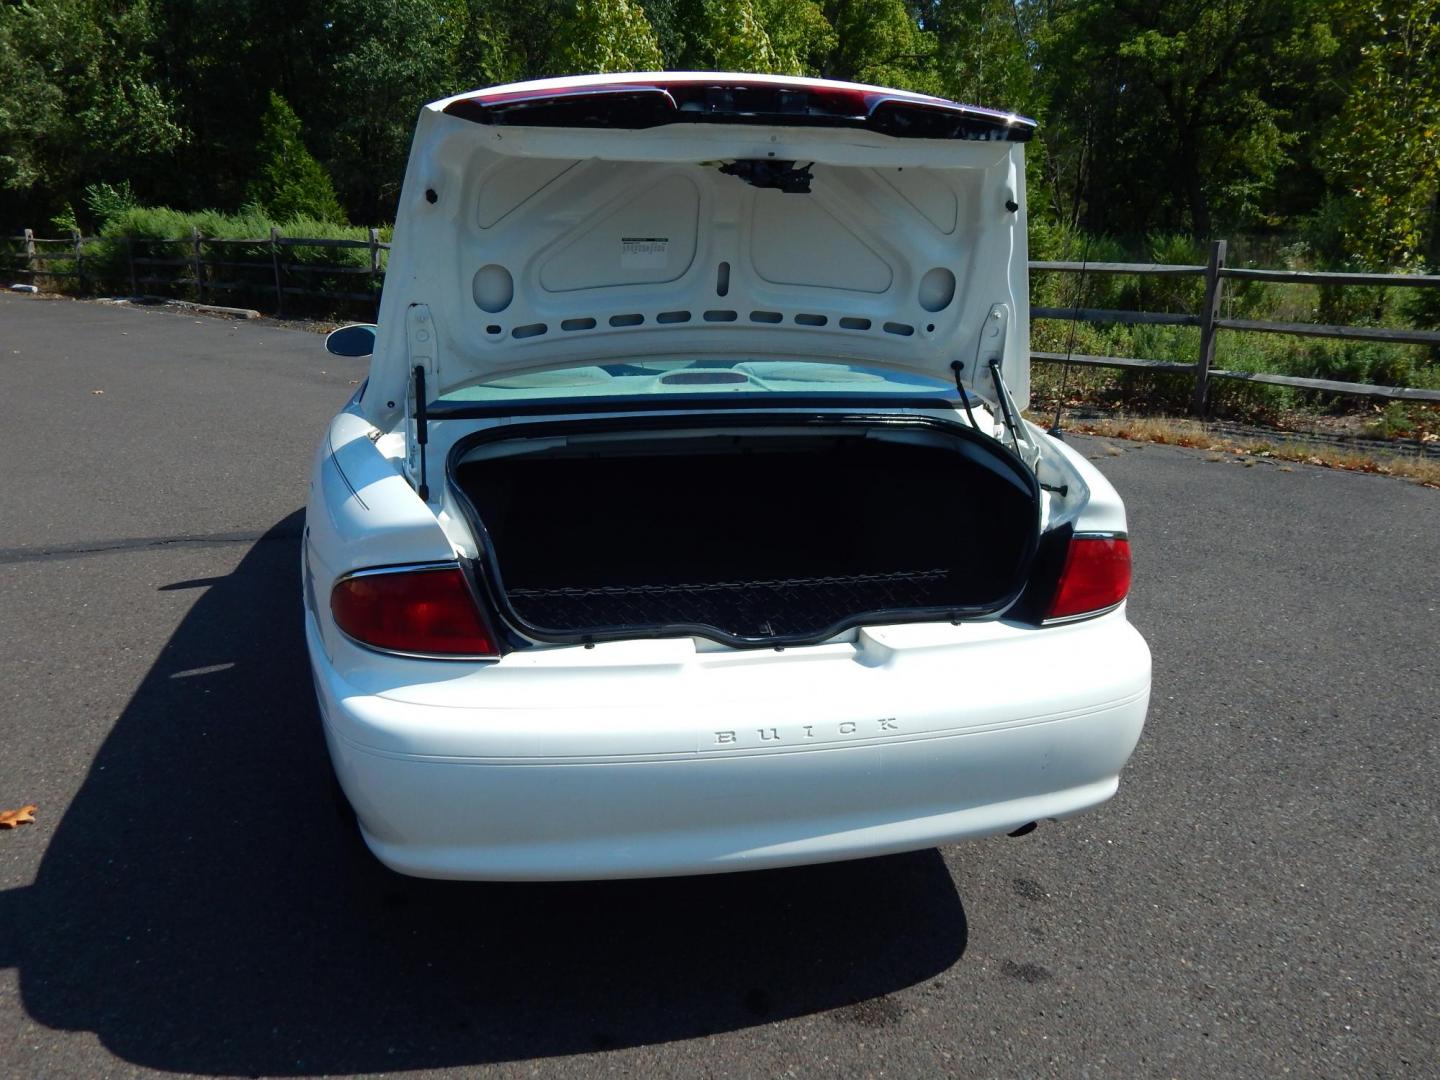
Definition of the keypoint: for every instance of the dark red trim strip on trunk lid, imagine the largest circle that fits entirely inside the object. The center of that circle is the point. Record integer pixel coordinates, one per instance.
(655, 102)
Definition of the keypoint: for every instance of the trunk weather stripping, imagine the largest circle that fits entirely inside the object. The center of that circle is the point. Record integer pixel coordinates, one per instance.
(675, 402)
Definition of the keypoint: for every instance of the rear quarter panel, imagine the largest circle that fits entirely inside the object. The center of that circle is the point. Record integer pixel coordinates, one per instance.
(361, 513)
(1104, 511)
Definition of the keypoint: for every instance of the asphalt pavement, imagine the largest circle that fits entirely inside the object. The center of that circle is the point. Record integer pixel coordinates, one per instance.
(1261, 898)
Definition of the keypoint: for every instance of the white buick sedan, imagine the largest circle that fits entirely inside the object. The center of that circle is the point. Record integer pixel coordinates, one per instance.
(688, 521)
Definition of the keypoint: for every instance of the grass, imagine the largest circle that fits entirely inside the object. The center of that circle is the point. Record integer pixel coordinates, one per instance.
(1139, 391)
(151, 230)
(158, 232)
(1196, 436)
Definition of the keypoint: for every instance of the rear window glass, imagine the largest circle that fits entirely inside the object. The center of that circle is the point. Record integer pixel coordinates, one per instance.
(701, 377)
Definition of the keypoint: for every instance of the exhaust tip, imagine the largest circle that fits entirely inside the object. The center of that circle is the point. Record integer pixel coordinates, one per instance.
(1024, 830)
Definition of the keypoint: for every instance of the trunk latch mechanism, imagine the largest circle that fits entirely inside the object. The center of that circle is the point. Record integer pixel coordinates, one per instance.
(764, 173)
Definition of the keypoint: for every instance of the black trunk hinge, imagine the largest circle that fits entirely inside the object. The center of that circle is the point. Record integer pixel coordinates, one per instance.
(958, 367)
(990, 353)
(1024, 446)
(422, 430)
(424, 368)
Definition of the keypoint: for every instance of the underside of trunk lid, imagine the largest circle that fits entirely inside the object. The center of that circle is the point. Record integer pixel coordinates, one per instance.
(751, 531)
(590, 221)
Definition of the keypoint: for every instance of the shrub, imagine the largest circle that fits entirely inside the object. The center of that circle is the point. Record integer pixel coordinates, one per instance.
(292, 184)
(105, 201)
(160, 232)
(1421, 308)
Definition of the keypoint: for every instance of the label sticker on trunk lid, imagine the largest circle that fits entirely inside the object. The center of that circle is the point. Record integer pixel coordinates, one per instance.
(644, 252)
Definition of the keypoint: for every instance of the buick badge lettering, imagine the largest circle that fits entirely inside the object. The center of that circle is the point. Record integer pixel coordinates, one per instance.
(780, 735)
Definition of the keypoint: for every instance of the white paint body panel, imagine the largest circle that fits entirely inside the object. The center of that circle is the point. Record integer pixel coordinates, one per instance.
(678, 755)
(651, 758)
(552, 247)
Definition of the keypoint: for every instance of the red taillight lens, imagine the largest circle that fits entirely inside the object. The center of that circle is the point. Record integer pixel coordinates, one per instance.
(430, 612)
(1096, 576)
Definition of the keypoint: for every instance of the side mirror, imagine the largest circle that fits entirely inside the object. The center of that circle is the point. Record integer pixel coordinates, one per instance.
(357, 339)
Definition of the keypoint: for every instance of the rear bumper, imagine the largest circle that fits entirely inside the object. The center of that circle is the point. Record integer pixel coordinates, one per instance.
(650, 759)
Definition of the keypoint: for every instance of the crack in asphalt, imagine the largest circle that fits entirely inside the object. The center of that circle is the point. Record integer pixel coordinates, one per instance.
(85, 548)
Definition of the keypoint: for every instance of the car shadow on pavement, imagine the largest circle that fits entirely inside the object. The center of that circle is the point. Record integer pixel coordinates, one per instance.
(203, 908)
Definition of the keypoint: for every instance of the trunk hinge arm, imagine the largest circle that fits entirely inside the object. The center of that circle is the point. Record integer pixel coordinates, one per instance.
(990, 353)
(422, 431)
(424, 360)
(1029, 453)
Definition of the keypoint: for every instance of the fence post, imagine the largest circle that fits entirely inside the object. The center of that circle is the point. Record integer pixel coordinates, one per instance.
(275, 265)
(195, 260)
(130, 258)
(375, 266)
(79, 260)
(1214, 288)
(30, 254)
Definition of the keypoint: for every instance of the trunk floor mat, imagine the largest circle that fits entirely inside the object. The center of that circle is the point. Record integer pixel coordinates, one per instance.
(743, 608)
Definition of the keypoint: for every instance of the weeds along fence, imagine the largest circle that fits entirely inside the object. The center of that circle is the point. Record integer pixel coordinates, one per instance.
(280, 273)
(277, 273)
(1210, 323)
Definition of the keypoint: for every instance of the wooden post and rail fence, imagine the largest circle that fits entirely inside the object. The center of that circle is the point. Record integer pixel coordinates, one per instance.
(203, 257)
(1210, 322)
(35, 255)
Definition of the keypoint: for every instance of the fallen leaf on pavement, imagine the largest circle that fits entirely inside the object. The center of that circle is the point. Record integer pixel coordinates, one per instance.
(24, 816)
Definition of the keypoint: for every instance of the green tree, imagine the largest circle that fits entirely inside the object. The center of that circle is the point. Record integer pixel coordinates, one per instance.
(735, 38)
(598, 36)
(1196, 116)
(1193, 97)
(219, 61)
(981, 53)
(493, 48)
(882, 41)
(801, 37)
(291, 183)
(80, 99)
(31, 103)
(790, 37)
(387, 59)
(1382, 152)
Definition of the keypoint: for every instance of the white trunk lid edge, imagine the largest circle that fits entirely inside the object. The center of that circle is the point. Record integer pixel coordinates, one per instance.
(538, 247)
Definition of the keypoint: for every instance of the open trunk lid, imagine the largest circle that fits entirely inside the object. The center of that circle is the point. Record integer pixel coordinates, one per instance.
(601, 219)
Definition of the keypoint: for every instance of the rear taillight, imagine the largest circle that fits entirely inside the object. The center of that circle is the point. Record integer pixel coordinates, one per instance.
(1096, 577)
(426, 611)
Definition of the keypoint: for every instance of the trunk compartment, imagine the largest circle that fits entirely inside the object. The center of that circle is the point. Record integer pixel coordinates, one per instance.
(779, 532)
